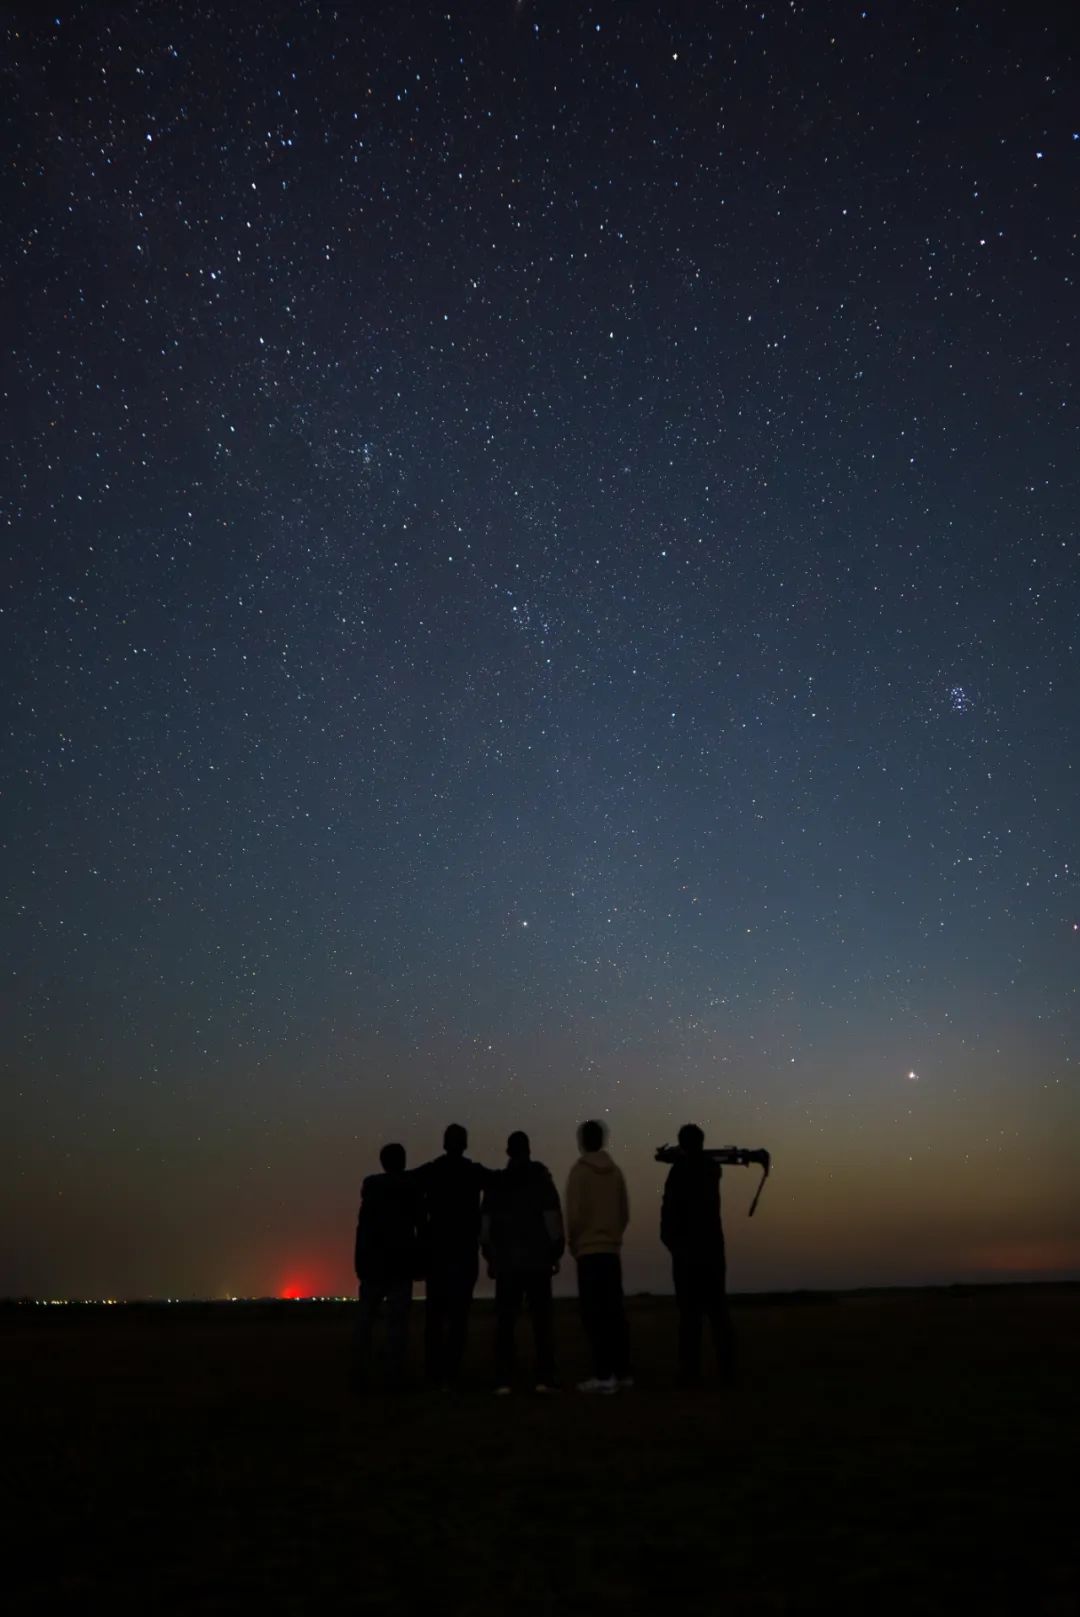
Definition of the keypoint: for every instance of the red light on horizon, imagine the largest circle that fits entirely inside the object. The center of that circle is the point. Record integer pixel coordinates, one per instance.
(306, 1278)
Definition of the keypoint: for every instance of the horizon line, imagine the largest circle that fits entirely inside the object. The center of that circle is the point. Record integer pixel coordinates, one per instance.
(27, 1301)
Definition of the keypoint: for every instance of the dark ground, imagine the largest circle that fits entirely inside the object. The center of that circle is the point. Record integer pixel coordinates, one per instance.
(884, 1452)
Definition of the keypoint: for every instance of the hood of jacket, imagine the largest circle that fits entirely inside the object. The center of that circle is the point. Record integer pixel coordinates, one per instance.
(598, 1161)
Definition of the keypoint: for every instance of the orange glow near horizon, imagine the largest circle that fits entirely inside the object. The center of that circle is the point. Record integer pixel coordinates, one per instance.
(1051, 1256)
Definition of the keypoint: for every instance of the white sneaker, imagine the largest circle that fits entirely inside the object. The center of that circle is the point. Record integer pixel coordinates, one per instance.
(502, 1392)
(606, 1384)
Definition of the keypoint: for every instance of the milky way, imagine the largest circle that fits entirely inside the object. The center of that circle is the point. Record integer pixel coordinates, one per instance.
(541, 580)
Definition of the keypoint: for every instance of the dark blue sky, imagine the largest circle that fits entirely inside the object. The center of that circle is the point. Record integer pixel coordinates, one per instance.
(541, 579)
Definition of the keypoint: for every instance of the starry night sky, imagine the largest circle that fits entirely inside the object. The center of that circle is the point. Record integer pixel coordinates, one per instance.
(542, 580)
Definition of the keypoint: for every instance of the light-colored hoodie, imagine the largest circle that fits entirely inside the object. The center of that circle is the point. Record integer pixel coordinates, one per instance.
(597, 1206)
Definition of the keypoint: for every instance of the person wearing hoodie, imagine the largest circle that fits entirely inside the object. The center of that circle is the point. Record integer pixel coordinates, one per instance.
(521, 1237)
(691, 1229)
(597, 1213)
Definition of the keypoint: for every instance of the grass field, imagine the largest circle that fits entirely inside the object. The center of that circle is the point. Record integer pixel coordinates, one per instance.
(883, 1452)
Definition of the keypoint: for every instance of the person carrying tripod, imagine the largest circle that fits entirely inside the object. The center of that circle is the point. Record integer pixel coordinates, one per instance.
(691, 1229)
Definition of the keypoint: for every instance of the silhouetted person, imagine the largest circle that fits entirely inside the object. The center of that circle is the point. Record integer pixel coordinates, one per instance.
(691, 1230)
(450, 1188)
(521, 1235)
(597, 1213)
(386, 1258)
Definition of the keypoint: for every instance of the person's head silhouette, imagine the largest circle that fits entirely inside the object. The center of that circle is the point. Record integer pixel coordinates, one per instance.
(454, 1140)
(691, 1139)
(517, 1146)
(590, 1136)
(392, 1158)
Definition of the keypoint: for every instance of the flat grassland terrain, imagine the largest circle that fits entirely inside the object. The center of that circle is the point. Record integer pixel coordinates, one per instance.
(883, 1452)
